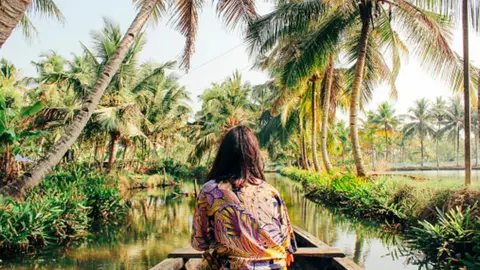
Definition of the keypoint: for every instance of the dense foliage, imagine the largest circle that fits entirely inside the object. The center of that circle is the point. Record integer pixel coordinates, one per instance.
(64, 209)
(437, 221)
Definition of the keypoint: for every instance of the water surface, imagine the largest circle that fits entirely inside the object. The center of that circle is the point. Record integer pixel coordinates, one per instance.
(160, 221)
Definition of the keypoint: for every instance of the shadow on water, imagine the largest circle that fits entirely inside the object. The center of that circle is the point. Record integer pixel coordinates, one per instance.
(160, 221)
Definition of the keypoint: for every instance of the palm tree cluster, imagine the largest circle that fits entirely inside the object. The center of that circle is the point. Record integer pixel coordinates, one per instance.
(144, 109)
(426, 126)
(322, 55)
(346, 49)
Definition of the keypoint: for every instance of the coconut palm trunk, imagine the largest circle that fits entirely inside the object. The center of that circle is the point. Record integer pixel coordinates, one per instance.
(11, 12)
(304, 153)
(422, 139)
(458, 145)
(438, 154)
(114, 137)
(385, 129)
(36, 174)
(326, 110)
(355, 96)
(466, 93)
(314, 123)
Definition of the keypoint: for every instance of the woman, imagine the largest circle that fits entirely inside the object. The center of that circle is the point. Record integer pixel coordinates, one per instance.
(240, 221)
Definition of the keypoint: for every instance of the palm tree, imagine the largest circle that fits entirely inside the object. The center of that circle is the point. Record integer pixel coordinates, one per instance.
(329, 74)
(454, 123)
(224, 106)
(386, 119)
(333, 23)
(439, 109)
(420, 123)
(369, 132)
(37, 172)
(341, 136)
(12, 14)
(313, 99)
(462, 7)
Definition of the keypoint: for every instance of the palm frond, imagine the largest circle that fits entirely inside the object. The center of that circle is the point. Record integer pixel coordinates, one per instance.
(288, 19)
(26, 26)
(46, 8)
(185, 19)
(157, 12)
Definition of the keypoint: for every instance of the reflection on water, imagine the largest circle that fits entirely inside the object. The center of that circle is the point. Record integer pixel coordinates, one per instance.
(160, 221)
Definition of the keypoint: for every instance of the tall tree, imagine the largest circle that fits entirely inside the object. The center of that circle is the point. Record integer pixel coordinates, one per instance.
(420, 123)
(439, 110)
(333, 22)
(461, 9)
(329, 74)
(314, 81)
(453, 124)
(387, 121)
(466, 93)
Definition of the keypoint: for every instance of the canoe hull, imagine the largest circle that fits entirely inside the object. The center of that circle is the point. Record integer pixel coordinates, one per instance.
(311, 254)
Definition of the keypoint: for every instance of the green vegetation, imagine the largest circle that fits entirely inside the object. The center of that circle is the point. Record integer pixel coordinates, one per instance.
(63, 209)
(441, 221)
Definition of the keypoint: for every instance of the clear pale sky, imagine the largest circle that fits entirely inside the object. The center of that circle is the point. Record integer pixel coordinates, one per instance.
(213, 39)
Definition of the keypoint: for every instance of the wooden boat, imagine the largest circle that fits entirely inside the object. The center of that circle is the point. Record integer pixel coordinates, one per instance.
(311, 254)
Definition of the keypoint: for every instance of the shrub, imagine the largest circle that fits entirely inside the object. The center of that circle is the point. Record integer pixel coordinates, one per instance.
(61, 209)
(455, 236)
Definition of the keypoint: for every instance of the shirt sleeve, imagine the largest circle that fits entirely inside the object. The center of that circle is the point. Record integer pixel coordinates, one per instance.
(201, 234)
(291, 245)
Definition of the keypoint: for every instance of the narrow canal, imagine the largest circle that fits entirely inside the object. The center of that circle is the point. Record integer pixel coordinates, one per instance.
(160, 220)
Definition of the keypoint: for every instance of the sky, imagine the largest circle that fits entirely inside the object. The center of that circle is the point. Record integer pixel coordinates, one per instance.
(219, 50)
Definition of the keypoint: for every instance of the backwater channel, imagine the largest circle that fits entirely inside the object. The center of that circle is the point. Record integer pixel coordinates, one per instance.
(160, 221)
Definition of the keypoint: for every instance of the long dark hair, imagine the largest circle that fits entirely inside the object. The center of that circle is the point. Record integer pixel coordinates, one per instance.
(238, 159)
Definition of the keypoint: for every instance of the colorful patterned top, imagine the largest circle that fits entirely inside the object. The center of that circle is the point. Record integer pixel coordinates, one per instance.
(246, 228)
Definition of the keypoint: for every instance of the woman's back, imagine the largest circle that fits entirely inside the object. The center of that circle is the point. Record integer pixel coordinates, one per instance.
(240, 220)
(244, 228)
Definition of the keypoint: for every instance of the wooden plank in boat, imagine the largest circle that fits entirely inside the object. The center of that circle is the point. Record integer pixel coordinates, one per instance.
(169, 264)
(322, 252)
(328, 252)
(193, 264)
(185, 253)
(344, 263)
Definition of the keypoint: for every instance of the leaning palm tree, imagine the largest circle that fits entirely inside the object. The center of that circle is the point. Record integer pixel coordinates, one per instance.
(420, 123)
(426, 35)
(186, 18)
(387, 121)
(44, 166)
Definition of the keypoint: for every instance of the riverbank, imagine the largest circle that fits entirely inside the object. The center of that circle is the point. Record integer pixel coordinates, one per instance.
(443, 168)
(445, 221)
(61, 210)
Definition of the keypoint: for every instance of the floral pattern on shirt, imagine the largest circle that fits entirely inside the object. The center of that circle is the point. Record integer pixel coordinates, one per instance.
(246, 228)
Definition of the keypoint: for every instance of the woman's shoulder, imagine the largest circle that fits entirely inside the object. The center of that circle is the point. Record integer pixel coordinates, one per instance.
(270, 188)
(209, 186)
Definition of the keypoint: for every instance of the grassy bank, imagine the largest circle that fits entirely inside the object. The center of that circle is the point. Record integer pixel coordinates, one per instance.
(62, 209)
(442, 221)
